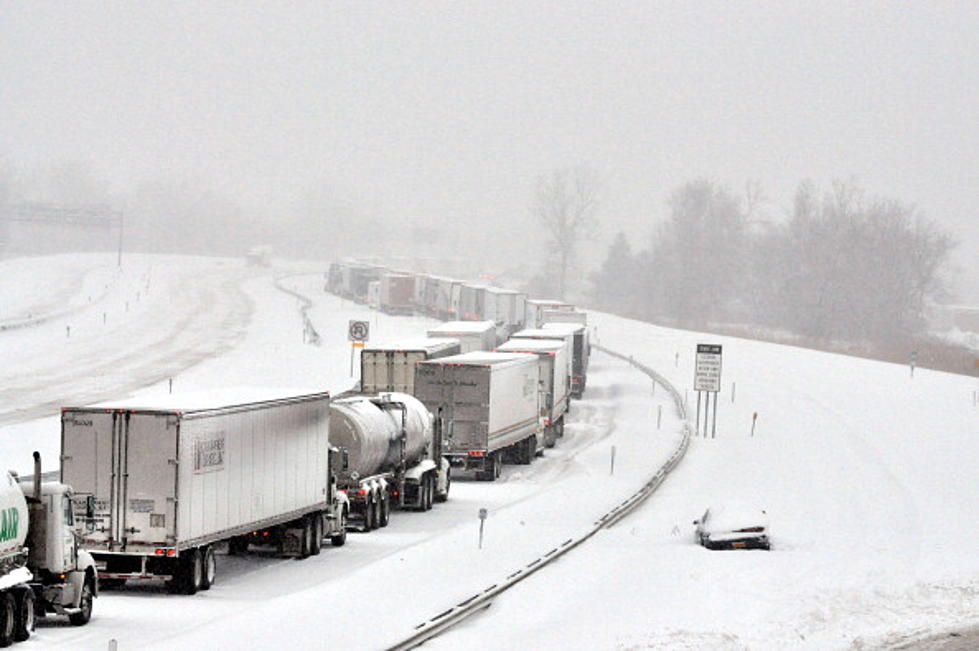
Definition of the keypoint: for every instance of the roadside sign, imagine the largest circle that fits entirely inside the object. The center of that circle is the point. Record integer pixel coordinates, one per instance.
(358, 330)
(707, 373)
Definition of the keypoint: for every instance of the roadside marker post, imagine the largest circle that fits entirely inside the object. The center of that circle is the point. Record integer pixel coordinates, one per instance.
(482, 520)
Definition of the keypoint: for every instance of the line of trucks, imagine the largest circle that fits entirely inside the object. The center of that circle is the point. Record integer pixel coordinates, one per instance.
(151, 488)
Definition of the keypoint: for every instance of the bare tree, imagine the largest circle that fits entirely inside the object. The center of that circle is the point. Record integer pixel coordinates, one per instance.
(565, 202)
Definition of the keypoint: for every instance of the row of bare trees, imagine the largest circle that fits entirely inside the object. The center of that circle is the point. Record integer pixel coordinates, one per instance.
(843, 265)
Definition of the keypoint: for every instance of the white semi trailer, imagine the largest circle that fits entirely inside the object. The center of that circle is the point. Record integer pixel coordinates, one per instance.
(554, 357)
(394, 453)
(580, 351)
(391, 366)
(489, 403)
(42, 570)
(175, 476)
(472, 335)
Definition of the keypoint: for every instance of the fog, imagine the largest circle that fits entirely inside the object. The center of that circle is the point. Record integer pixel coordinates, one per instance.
(432, 121)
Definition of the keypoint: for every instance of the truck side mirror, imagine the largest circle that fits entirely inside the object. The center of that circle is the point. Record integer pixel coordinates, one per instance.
(345, 459)
(90, 506)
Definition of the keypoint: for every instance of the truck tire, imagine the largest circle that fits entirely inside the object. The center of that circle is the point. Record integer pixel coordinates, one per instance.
(497, 466)
(85, 604)
(210, 568)
(338, 539)
(8, 619)
(385, 511)
(560, 427)
(442, 497)
(25, 617)
(317, 534)
(187, 577)
(369, 524)
(426, 493)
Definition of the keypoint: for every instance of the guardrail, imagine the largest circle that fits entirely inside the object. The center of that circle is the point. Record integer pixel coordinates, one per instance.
(310, 335)
(481, 600)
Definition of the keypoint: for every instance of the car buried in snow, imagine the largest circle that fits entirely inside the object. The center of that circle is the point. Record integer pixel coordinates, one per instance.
(733, 526)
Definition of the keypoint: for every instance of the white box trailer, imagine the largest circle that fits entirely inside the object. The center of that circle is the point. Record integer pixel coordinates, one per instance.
(446, 297)
(172, 476)
(489, 403)
(580, 352)
(554, 356)
(566, 316)
(535, 308)
(472, 303)
(472, 335)
(391, 366)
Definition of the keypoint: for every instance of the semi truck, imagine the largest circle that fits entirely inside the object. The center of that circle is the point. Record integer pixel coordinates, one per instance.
(472, 302)
(554, 357)
(173, 477)
(535, 309)
(577, 334)
(472, 335)
(489, 404)
(391, 367)
(394, 451)
(397, 293)
(42, 570)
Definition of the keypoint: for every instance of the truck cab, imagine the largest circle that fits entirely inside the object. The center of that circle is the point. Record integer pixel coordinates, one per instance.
(65, 575)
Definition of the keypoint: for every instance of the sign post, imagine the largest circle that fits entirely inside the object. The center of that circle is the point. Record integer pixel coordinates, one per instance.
(358, 332)
(707, 379)
(482, 521)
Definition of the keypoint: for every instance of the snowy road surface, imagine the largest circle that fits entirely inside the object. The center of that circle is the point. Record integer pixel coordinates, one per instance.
(869, 479)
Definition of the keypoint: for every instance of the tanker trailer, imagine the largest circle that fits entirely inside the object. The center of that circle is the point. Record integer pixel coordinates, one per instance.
(394, 456)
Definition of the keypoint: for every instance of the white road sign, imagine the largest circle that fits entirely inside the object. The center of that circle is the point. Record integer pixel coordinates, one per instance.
(707, 374)
(359, 331)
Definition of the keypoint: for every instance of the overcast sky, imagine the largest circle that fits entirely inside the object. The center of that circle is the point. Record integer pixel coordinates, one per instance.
(438, 112)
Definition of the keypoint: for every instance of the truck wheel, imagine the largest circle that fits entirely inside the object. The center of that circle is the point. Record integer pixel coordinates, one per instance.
(187, 574)
(305, 537)
(8, 619)
(426, 492)
(338, 539)
(85, 604)
(550, 438)
(210, 568)
(442, 497)
(317, 535)
(560, 427)
(385, 510)
(25, 618)
(369, 516)
(497, 466)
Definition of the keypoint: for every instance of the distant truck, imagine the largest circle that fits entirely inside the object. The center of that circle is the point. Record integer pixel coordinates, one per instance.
(554, 357)
(394, 452)
(397, 293)
(472, 335)
(535, 309)
(489, 403)
(172, 477)
(391, 367)
(580, 349)
(472, 302)
(41, 568)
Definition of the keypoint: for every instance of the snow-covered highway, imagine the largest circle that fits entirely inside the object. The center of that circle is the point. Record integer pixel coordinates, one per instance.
(869, 478)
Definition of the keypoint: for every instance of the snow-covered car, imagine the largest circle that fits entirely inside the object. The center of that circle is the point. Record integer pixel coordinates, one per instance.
(733, 526)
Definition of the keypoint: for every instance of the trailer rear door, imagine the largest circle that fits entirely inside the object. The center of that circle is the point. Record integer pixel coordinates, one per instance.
(151, 479)
(86, 465)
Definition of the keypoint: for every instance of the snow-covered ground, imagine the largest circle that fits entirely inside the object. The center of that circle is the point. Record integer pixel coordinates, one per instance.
(869, 478)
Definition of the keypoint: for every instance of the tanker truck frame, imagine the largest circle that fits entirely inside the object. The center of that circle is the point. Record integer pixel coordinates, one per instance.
(42, 570)
(395, 456)
(173, 477)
